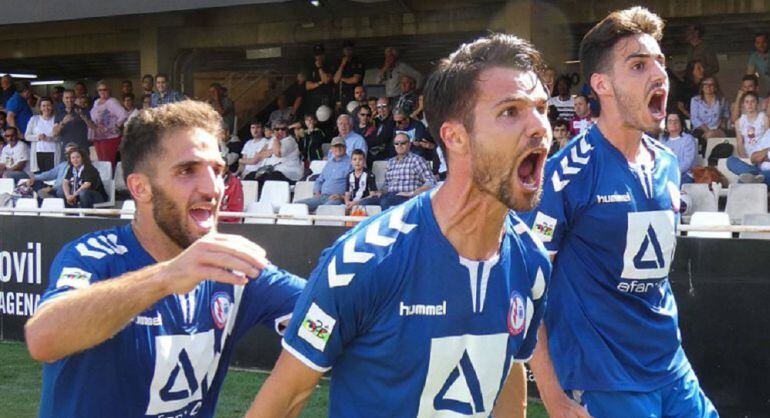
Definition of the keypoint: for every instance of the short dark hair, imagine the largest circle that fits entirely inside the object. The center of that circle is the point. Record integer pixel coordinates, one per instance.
(358, 151)
(452, 90)
(129, 95)
(561, 122)
(146, 76)
(126, 82)
(44, 99)
(143, 135)
(751, 77)
(159, 75)
(256, 122)
(13, 128)
(83, 155)
(585, 97)
(596, 47)
(68, 91)
(763, 34)
(747, 94)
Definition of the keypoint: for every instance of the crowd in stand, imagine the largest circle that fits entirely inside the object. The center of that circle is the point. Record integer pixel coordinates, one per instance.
(368, 129)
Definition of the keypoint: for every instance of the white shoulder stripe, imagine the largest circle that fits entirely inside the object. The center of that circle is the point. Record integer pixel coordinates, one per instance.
(299, 356)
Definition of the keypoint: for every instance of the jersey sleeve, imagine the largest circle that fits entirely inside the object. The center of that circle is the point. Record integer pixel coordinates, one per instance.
(270, 298)
(338, 304)
(540, 270)
(70, 271)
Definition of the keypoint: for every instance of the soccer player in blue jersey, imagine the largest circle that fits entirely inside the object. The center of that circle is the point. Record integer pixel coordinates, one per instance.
(610, 344)
(423, 310)
(141, 320)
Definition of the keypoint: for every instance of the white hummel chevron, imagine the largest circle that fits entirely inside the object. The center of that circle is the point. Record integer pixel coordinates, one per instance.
(585, 146)
(558, 183)
(397, 223)
(335, 279)
(565, 167)
(577, 159)
(373, 236)
(350, 255)
(539, 287)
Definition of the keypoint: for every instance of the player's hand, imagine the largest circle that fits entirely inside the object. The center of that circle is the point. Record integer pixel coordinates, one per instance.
(564, 407)
(219, 257)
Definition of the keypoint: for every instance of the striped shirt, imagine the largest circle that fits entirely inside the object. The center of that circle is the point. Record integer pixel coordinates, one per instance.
(359, 187)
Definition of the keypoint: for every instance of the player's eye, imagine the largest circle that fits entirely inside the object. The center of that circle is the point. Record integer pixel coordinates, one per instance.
(638, 66)
(510, 112)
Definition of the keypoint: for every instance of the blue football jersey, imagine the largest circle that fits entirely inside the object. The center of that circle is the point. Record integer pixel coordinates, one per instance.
(169, 361)
(411, 328)
(612, 319)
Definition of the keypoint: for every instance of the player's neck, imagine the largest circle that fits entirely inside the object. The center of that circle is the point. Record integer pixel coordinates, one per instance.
(153, 239)
(624, 138)
(470, 220)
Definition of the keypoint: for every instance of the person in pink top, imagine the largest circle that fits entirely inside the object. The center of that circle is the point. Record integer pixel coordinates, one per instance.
(108, 115)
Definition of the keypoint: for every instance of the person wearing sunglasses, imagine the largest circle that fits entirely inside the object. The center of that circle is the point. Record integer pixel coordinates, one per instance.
(421, 140)
(366, 126)
(109, 116)
(284, 164)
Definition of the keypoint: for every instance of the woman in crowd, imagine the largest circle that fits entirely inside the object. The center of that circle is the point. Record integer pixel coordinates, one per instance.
(285, 163)
(44, 148)
(709, 110)
(365, 126)
(753, 140)
(689, 89)
(108, 115)
(82, 186)
(682, 143)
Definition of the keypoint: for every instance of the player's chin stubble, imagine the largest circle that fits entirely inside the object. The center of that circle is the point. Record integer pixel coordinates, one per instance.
(502, 187)
(168, 215)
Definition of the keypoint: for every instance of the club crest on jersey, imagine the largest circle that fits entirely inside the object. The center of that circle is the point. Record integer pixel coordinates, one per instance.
(316, 327)
(221, 305)
(516, 314)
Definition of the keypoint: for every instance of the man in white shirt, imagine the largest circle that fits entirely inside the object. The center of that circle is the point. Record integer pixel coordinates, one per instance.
(254, 153)
(14, 160)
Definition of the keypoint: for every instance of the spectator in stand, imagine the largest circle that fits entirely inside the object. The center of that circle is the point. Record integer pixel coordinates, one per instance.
(749, 84)
(108, 115)
(295, 95)
(407, 100)
(14, 161)
(6, 83)
(753, 139)
(283, 111)
(391, 72)
(549, 81)
(758, 61)
(254, 152)
(147, 84)
(18, 111)
(365, 126)
(416, 132)
(684, 145)
(329, 187)
(582, 119)
(418, 113)
(349, 75)
(147, 101)
(81, 90)
(360, 182)
(313, 138)
(232, 200)
(126, 87)
(359, 99)
(82, 186)
(44, 149)
(128, 103)
(353, 141)
(218, 99)
(71, 124)
(319, 84)
(372, 102)
(407, 175)
(700, 51)
(563, 101)
(382, 147)
(709, 110)
(561, 136)
(164, 93)
(285, 158)
(56, 98)
(56, 174)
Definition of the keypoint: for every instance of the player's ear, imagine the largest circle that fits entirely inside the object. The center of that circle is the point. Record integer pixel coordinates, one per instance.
(455, 137)
(601, 84)
(139, 186)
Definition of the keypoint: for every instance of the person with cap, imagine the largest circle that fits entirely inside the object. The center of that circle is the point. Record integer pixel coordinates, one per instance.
(319, 83)
(349, 75)
(56, 174)
(329, 187)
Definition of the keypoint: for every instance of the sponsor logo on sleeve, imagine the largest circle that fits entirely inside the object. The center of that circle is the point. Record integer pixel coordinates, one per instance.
(544, 227)
(316, 327)
(73, 277)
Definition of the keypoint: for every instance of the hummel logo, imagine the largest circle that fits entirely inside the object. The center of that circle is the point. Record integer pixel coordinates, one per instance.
(613, 198)
(425, 310)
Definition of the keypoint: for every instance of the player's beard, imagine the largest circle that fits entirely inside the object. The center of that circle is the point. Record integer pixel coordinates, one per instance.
(498, 177)
(170, 218)
(632, 110)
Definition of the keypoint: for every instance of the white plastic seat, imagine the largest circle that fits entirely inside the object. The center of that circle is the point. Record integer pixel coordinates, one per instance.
(129, 206)
(379, 168)
(120, 184)
(109, 187)
(250, 191)
(303, 190)
(330, 210)
(743, 199)
(295, 209)
(372, 210)
(262, 208)
(27, 203)
(104, 168)
(713, 142)
(316, 166)
(702, 199)
(762, 219)
(276, 193)
(6, 186)
(710, 219)
(52, 203)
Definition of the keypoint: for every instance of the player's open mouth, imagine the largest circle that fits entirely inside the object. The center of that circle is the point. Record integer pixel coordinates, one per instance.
(530, 170)
(203, 216)
(657, 104)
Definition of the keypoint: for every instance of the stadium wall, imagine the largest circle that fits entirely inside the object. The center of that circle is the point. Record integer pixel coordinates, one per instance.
(721, 287)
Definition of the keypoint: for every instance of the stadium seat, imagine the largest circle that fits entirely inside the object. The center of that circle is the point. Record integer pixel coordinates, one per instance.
(128, 206)
(743, 199)
(27, 203)
(702, 199)
(109, 187)
(372, 210)
(6, 186)
(325, 148)
(762, 219)
(710, 219)
(276, 193)
(316, 166)
(120, 184)
(250, 191)
(378, 169)
(295, 209)
(712, 142)
(52, 203)
(303, 190)
(263, 208)
(105, 169)
(330, 210)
